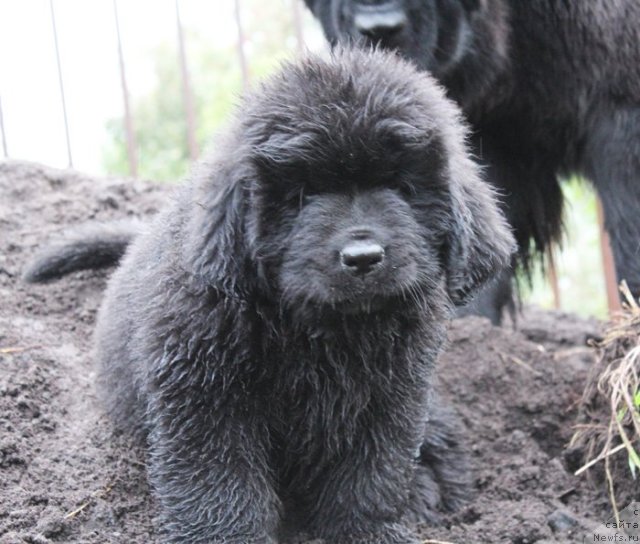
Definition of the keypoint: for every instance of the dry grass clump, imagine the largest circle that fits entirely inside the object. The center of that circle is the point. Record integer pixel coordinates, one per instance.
(611, 402)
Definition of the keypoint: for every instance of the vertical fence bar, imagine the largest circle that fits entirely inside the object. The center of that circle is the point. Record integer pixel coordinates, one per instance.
(61, 83)
(241, 42)
(187, 91)
(611, 281)
(553, 279)
(128, 120)
(5, 151)
(297, 24)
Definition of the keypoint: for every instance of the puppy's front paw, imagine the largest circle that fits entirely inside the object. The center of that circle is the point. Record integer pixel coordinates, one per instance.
(388, 534)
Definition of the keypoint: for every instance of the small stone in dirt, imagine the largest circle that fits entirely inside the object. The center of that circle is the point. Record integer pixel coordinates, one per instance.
(37, 539)
(561, 521)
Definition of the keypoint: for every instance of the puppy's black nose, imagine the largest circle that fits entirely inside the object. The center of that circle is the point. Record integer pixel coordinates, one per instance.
(379, 21)
(361, 256)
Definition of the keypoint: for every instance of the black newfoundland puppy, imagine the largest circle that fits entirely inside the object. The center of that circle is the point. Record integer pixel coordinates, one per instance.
(551, 88)
(273, 333)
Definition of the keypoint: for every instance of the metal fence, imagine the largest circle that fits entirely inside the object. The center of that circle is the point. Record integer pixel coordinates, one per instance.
(192, 121)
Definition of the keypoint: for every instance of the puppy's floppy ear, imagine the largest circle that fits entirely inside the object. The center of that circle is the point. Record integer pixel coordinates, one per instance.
(216, 242)
(479, 243)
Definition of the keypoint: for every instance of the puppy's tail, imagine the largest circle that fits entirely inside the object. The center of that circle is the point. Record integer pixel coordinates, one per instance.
(91, 246)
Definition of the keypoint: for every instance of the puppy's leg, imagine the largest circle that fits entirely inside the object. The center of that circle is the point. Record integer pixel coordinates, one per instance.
(360, 496)
(442, 481)
(211, 476)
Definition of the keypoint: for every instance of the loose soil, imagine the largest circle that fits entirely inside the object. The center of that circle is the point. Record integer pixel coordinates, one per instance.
(65, 476)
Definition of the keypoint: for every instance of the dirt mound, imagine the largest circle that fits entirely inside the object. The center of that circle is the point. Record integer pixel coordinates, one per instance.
(64, 476)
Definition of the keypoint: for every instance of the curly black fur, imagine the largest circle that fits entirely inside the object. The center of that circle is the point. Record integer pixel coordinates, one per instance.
(273, 333)
(88, 247)
(551, 87)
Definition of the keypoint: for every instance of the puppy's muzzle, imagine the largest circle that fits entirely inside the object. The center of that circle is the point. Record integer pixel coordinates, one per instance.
(360, 257)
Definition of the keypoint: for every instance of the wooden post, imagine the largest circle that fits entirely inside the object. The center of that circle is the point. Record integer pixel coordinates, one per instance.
(61, 84)
(241, 52)
(5, 152)
(611, 281)
(128, 120)
(297, 25)
(187, 91)
(553, 279)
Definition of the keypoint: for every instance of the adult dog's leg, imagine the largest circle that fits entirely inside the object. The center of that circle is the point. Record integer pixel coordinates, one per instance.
(612, 162)
(494, 299)
(532, 201)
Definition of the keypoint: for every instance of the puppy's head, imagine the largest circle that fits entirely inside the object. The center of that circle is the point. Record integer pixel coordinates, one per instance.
(456, 40)
(358, 192)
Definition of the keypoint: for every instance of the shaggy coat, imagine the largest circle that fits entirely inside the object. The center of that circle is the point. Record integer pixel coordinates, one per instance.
(273, 334)
(551, 87)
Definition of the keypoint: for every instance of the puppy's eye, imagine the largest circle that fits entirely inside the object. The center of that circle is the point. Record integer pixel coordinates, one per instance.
(306, 197)
(302, 198)
(407, 187)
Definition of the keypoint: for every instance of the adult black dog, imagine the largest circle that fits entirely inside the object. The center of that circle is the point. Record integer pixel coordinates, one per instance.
(274, 332)
(551, 87)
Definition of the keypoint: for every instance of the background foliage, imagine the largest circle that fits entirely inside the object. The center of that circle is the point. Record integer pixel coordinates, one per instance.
(215, 71)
